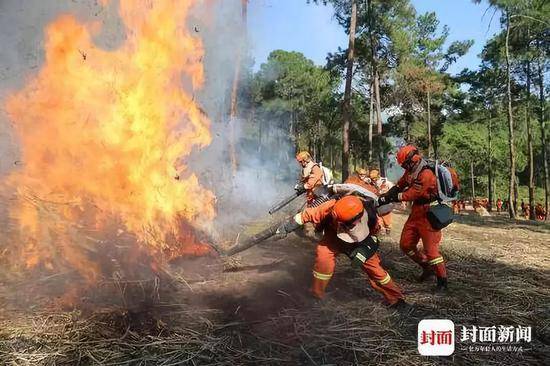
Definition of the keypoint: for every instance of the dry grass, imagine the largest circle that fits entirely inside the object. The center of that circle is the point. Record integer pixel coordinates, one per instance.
(256, 311)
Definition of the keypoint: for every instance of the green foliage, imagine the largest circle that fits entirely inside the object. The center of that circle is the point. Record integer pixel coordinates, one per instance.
(301, 102)
(292, 94)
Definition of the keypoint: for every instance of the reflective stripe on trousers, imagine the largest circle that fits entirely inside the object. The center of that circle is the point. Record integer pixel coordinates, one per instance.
(322, 276)
(385, 280)
(435, 261)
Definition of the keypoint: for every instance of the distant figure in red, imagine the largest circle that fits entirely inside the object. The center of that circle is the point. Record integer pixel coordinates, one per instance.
(540, 212)
(526, 210)
(499, 205)
(456, 207)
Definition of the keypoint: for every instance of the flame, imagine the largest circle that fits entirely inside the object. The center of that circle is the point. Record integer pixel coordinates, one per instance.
(104, 133)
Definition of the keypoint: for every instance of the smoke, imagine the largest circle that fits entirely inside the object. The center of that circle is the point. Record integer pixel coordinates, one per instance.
(262, 174)
(263, 169)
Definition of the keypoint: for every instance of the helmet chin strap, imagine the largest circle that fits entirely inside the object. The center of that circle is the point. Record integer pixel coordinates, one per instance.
(417, 167)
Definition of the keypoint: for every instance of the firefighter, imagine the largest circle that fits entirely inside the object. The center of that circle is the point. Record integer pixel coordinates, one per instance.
(383, 185)
(456, 207)
(540, 212)
(499, 205)
(361, 178)
(418, 184)
(363, 174)
(311, 176)
(349, 227)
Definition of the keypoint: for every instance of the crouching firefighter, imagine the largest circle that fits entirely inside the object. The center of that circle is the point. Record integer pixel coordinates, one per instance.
(423, 183)
(348, 223)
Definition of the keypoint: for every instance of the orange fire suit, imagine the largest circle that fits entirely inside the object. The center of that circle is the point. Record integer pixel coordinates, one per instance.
(421, 190)
(499, 205)
(383, 186)
(312, 177)
(330, 246)
(354, 179)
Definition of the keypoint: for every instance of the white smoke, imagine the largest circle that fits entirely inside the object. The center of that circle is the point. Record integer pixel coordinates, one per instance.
(261, 178)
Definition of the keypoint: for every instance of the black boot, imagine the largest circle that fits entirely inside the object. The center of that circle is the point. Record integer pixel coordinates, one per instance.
(402, 307)
(426, 273)
(441, 285)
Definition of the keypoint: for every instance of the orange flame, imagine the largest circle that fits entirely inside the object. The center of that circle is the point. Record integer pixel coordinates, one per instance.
(105, 131)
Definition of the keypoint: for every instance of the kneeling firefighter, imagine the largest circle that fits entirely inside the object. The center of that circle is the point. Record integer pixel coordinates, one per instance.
(421, 184)
(348, 223)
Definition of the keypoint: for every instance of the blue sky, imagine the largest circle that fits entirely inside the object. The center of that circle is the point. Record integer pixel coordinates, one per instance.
(293, 25)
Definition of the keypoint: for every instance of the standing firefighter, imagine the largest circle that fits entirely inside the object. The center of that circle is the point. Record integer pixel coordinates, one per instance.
(383, 185)
(419, 185)
(311, 176)
(348, 225)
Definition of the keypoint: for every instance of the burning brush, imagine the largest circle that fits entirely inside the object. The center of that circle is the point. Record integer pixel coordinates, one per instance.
(100, 136)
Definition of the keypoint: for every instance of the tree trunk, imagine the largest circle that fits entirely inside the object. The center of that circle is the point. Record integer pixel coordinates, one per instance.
(473, 182)
(346, 108)
(235, 90)
(371, 119)
(408, 121)
(331, 154)
(376, 85)
(260, 127)
(319, 141)
(430, 148)
(490, 164)
(529, 139)
(512, 157)
(379, 123)
(543, 132)
(233, 115)
(516, 194)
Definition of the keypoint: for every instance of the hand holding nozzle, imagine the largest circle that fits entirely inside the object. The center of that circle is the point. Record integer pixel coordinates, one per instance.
(390, 196)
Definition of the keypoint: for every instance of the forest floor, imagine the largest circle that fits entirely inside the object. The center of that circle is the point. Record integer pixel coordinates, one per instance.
(255, 308)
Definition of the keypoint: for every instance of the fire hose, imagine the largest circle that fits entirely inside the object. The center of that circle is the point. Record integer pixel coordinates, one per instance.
(322, 195)
(285, 202)
(254, 240)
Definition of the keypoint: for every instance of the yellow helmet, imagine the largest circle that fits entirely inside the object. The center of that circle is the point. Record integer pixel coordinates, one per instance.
(361, 171)
(374, 174)
(303, 156)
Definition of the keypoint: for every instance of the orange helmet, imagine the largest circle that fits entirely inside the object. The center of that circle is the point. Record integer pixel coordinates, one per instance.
(347, 208)
(303, 156)
(406, 155)
(374, 174)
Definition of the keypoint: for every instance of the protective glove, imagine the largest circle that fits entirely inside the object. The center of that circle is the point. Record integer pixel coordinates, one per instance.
(289, 226)
(321, 192)
(299, 188)
(366, 249)
(390, 196)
